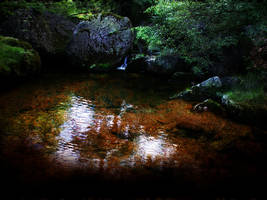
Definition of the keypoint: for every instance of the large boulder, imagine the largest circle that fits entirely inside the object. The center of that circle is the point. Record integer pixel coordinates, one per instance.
(17, 58)
(103, 41)
(48, 33)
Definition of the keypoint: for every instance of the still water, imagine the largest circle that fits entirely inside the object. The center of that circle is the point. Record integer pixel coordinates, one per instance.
(117, 123)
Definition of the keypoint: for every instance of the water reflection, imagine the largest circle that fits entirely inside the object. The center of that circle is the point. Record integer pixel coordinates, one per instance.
(80, 117)
(94, 128)
(150, 147)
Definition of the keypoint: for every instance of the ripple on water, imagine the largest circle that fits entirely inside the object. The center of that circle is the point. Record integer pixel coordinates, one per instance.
(114, 123)
(152, 147)
(82, 119)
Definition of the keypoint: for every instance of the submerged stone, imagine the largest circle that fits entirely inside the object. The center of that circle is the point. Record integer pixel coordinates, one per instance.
(209, 105)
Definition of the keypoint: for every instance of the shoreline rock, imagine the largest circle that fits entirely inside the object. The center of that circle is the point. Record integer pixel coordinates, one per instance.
(211, 95)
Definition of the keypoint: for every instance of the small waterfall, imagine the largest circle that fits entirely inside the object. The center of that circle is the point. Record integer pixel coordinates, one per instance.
(124, 65)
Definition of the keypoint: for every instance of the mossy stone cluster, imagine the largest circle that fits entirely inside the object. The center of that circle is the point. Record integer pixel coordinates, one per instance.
(17, 58)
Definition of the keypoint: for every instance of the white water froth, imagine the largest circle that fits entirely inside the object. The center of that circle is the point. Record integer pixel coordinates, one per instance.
(124, 65)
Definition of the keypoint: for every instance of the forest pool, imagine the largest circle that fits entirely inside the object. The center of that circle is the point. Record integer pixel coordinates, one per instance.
(104, 129)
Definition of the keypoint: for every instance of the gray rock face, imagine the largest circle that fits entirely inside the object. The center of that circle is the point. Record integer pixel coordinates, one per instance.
(48, 33)
(200, 92)
(102, 40)
(213, 82)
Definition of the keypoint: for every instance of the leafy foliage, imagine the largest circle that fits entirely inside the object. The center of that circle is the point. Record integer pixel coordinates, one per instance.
(80, 9)
(199, 31)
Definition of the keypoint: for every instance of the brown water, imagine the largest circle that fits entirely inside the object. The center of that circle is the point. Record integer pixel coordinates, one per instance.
(120, 126)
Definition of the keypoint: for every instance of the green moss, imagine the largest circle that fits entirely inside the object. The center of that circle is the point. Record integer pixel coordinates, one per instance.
(8, 7)
(251, 96)
(104, 14)
(139, 56)
(17, 57)
(84, 16)
(15, 42)
(10, 56)
(249, 91)
(104, 65)
(100, 65)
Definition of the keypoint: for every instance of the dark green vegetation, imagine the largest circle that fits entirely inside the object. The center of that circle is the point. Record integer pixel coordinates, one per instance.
(187, 115)
(17, 58)
(82, 9)
(204, 32)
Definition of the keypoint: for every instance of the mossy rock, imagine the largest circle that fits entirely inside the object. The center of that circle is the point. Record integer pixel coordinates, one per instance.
(254, 113)
(106, 38)
(17, 58)
(204, 90)
(47, 32)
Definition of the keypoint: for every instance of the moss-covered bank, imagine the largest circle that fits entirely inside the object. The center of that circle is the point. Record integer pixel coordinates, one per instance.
(17, 58)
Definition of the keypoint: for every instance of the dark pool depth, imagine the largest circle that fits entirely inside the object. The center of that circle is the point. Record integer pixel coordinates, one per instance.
(119, 128)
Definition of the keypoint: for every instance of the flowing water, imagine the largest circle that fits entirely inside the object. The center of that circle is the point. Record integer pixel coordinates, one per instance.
(118, 124)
